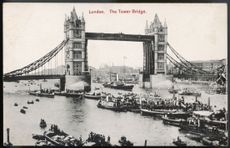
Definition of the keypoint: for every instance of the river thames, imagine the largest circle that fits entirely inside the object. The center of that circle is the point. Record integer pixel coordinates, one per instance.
(79, 117)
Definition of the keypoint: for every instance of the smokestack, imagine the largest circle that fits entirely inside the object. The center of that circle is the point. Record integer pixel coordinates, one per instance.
(209, 101)
(8, 135)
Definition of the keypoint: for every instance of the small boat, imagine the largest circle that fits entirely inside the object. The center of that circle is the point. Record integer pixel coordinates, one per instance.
(119, 85)
(43, 123)
(15, 104)
(194, 137)
(23, 111)
(210, 142)
(38, 137)
(93, 96)
(30, 102)
(111, 105)
(95, 139)
(179, 142)
(41, 143)
(124, 142)
(172, 90)
(221, 90)
(24, 107)
(220, 124)
(42, 94)
(160, 112)
(59, 138)
(202, 131)
(171, 121)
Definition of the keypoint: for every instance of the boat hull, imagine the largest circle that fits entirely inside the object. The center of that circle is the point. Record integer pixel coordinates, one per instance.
(92, 97)
(117, 109)
(174, 122)
(122, 87)
(68, 94)
(179, 143)
(42, 94)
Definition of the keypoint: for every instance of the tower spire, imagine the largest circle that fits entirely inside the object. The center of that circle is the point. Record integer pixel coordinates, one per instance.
(146, 25)
(156, 21)
(82, 17)
(165, 24)
(65, 17)
(74, 14)
(74, 9)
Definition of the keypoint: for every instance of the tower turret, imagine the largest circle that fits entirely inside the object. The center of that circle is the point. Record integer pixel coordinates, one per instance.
(75, 48)
(76, 63)
(159, 32)
(165, 24)
(146, 27)
(82, 18)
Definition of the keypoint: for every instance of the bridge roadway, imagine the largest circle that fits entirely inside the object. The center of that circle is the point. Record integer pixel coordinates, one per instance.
(32, 77)
(118, 37)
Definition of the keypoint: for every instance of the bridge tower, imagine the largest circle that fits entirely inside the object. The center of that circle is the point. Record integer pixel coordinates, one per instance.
(76, 61)
(154, 52)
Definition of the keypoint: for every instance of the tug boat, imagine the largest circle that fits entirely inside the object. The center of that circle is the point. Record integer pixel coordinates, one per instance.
(160, 112)
(119, 85)
(94, 96)
(110, 104)
(41, 94)
(172, 121)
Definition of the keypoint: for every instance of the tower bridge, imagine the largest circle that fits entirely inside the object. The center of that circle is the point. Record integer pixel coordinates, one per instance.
(76, 54)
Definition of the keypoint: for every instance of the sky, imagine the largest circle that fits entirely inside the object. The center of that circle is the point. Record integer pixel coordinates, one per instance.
(30, 30)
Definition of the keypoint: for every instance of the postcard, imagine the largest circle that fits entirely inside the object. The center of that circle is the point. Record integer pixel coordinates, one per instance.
(115, 74)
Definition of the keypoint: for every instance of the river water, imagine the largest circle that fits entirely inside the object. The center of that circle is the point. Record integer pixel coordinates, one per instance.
(80, 117)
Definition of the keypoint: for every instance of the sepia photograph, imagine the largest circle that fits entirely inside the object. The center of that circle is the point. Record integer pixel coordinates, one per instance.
(115, 74)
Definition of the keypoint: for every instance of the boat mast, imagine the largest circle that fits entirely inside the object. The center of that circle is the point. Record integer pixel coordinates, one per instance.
(110, 75)
(124, 58)
(40, 86)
